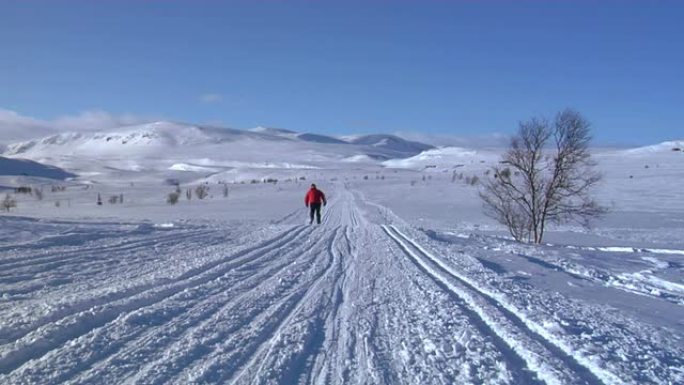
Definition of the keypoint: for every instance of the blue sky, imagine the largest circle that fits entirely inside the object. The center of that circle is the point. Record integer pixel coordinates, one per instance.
(461, 68)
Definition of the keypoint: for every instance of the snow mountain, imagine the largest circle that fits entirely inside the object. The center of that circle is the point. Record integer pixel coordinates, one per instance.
(177, 147)
(441, 158)
(140, 139)
(391, 144)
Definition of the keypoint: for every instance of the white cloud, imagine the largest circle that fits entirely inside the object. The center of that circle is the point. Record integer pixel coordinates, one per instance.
(15, 127)
(211, 98)
(96, 121)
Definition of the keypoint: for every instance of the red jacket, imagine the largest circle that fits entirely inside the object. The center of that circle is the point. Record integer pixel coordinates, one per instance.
(314, 196)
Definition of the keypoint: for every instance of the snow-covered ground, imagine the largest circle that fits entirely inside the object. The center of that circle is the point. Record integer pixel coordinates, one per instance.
(404, 282)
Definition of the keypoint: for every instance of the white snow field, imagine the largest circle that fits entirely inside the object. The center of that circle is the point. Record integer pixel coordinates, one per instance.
(404, 282)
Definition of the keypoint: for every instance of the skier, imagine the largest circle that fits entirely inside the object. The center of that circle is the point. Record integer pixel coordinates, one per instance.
(314, 198)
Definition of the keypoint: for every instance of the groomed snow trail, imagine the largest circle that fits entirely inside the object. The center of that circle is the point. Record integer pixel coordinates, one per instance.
(355, 300)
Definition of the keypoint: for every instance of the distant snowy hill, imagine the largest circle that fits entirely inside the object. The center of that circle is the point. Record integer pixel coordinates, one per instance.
(142, 139)
(442, 158)
(24, 167)
(391, 143)
(169, 146)
(167, 149)
(319, 138)
(669, 146)
(272, 130)
(289, 134)
(145, 139)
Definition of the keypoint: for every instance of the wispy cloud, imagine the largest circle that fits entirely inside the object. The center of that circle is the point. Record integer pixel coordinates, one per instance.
(15, 127)
(97, 120)
(211, 98)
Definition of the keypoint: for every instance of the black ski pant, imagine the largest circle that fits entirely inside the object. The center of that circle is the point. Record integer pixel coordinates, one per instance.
(315, 208)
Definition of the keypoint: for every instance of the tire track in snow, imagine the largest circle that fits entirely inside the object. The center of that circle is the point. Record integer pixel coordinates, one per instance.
(585, 371)
(52, 331)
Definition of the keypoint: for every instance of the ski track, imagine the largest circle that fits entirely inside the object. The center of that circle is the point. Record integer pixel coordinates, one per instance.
(88, 262)
(585, 371)
(81, 304)
(351, 301)
(59, 330)
(196, 323)
(640, 283)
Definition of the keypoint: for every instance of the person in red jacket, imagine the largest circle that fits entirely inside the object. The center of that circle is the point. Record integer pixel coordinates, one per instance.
(313, 200)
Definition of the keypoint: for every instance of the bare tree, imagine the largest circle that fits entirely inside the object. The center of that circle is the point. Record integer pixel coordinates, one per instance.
(547, 178)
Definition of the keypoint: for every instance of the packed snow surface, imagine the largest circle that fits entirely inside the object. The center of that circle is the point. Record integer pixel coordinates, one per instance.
(404, 282)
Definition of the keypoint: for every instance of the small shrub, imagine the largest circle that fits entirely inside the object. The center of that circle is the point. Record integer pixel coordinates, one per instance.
(472, 180)
(172, 198)
(114, 199)
(8, 203)
(24, 190)
(202, 191)
(505, 173)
